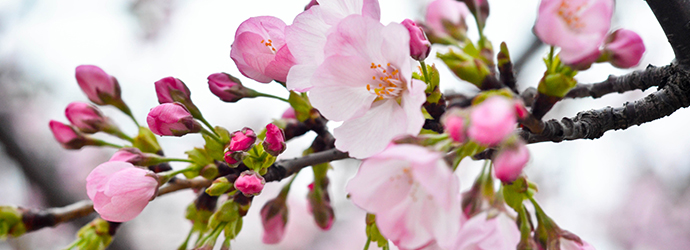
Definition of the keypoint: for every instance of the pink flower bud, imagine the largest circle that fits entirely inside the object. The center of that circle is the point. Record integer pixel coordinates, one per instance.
(172, 119)
(320, 205)
(274, 216)
(520, 109)
(228, 88)
(86, 117)
(66, 135)
(624, 48)
(98, 86)
(250, 183)
(492, 121)
(131, 155)
(510, 161)
(419, 45)
(567, 244)
(242, 140)
(446, 18)
(310, 4)
(289, 114)
(119, 190)
(171, 89)
(274, 143)
(454, 125)
(229, 159)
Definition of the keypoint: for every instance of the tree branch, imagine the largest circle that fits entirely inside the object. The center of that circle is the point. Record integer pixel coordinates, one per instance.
(594, 123)
(674, 17)
(284, 168)
(641, 79)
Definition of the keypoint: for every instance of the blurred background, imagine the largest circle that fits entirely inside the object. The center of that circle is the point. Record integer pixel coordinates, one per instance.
(627, 190)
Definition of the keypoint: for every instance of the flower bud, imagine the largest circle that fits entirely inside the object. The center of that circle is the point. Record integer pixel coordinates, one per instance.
(11, 223)
(228, 88)
(209, 171)
(466, 67)
(67, 136)
(492, 121)
(274, 216)
(219, 186)
(289, 114)
(320, 205)
(624, 48)
(454, 126)
(419, 45)
(95, 235)
(85, 117)
(556, 85)
(131, 155)
(310, 4)
(119, 190)
(98, 86)
(172, 119)
(171, 89)
(233, 158)
(242, 140)
(445, 19)
(274, 143)
(250, 183)
(510, 161)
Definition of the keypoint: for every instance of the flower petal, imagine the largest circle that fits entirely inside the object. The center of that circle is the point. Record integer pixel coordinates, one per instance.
(369, 134)
(379, 184)
(412, 101)
(99, 176)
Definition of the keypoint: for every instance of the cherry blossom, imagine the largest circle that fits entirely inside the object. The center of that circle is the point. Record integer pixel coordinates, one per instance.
(487, 232)
(492, 121)
(366, 82)
(413, 193)
(306, 37)
(259, 49)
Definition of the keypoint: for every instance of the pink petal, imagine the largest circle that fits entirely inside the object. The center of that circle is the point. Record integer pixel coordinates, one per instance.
(99, 176)
(369, 134)
(412, 101)
(342, 93)
(131, 181)
(379, 184)
(251, 56)
(359, 36)
(402, 224)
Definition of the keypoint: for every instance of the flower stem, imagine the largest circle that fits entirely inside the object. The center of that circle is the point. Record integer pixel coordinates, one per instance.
(271, 96)
(366, 246)
(210, 134)
(121, 135)
(176, 159)
(424, 72)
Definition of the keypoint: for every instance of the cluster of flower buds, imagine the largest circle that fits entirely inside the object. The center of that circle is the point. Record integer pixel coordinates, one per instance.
(241, 141)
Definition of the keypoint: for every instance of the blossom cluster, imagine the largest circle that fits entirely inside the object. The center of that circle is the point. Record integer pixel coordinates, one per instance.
(340, 63)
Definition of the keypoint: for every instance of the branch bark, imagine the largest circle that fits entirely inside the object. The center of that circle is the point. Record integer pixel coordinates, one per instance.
(674, 18)
(641, 79)
(594, 123)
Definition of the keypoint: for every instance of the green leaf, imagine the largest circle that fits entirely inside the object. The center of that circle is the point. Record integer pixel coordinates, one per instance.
(199, 156)
(301, 105)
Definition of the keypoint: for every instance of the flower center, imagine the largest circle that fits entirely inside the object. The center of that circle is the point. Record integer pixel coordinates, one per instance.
(571, 15)
(269, 44)
(386, 82)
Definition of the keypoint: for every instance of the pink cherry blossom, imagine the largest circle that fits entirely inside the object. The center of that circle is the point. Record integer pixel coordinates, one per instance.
(413, 193)
(167, 87)
(578, 27)
(492, 121)
(311, 4)
(510, 161)
(250, 183)
(274, 143)
(274, 216)
(119, 190)
(85, 116)
(98, 86)
(567, 244)
(259, 49)
(482, 232)
(419, 45)
(625, 48)
(229, 157)
(366, 82)
(450, 12)
(172, 119)
(66, 135)
(242, 140)
(306, 37)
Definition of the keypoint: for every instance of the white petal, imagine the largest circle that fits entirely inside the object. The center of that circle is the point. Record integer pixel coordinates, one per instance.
(369, 134)
(379, 184)
(339, 88)
(412, 101)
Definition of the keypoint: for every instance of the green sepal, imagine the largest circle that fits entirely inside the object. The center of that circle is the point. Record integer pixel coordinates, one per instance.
(470, 148)
(300, 103)
(11, 223)
(146, 141)
(373, 232)
(259, 160)
(214, 148)
(517, 192)
(233, 228)
(556, 84)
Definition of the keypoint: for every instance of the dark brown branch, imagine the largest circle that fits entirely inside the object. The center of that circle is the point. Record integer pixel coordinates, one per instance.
(284, 168)
(594, 123)
(674, 17)
(642, 80)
